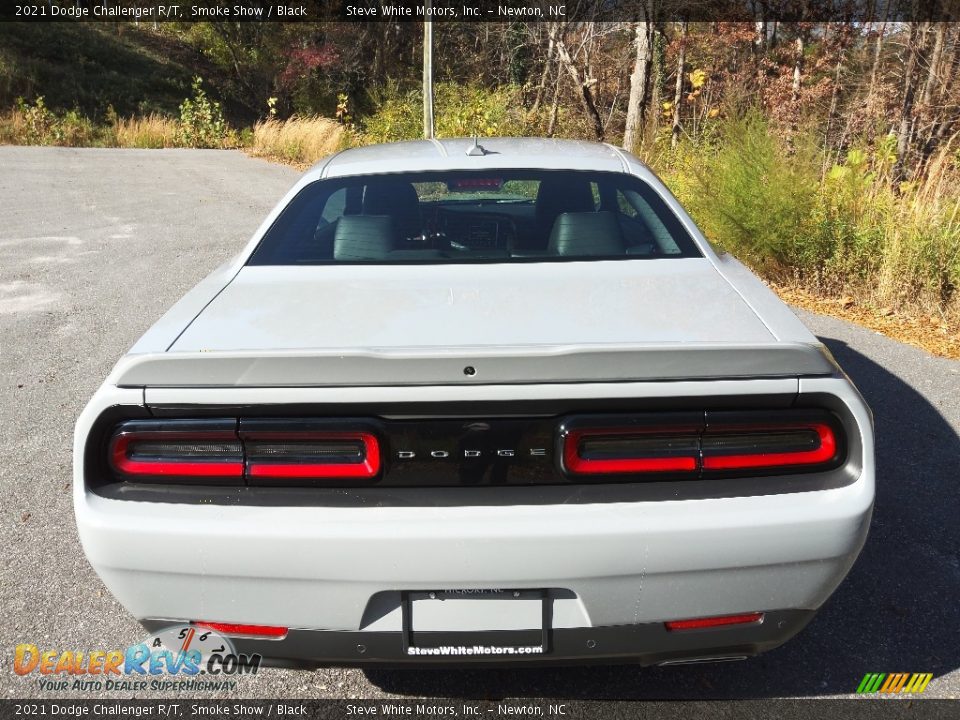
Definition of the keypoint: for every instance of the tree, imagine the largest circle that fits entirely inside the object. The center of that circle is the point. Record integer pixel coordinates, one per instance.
(639, 82)
(581, 83)
(678, 93)
(905, 121)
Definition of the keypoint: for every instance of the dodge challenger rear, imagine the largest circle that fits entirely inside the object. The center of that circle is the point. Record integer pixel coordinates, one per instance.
(464, 403)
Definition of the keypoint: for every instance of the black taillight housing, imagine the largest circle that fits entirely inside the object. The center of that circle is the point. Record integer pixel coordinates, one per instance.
(278, 452)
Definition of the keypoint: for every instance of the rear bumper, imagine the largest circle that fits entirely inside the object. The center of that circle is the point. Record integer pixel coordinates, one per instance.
(645, 644)
(342, 569)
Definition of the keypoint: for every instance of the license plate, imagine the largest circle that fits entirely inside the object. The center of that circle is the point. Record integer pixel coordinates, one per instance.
(471, 623)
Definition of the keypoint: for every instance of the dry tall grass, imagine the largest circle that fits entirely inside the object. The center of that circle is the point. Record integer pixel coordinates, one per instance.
(847, 232)
(13, 128)
(150, 131)
(300, 141)
(37, 125)
(917, 267)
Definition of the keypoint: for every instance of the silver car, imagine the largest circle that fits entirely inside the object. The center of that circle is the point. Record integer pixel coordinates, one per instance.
(477, 402)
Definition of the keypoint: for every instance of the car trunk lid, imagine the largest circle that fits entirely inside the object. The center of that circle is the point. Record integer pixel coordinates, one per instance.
(487, 323)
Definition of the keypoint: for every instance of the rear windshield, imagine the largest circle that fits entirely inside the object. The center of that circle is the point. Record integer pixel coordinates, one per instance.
(455, 217)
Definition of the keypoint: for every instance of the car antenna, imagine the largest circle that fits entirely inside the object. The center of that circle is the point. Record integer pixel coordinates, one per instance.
(476, 150)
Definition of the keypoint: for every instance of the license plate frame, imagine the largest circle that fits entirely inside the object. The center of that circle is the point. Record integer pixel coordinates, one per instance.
(511, 641)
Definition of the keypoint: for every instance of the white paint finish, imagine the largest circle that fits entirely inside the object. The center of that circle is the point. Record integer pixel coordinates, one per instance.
(543, 391)
(451, 154)
(581, 303)
(732, 551)
(491, 365)
(684, 300)
(164, 332)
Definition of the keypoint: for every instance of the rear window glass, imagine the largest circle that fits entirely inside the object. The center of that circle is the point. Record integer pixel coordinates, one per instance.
(454, 217)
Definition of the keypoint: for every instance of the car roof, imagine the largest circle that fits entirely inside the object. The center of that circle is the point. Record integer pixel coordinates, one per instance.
(459, 154)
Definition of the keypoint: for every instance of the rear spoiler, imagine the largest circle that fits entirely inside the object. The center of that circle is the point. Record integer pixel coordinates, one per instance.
(477, 366)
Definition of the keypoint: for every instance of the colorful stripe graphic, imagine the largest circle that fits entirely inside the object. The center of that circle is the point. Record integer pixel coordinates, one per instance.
(894, 682)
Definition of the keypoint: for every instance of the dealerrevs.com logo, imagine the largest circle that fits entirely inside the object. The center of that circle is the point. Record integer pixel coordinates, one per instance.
(173, 659)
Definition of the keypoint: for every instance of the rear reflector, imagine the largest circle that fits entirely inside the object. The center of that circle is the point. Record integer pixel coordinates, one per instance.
(312, 455)
(261, 631)
(712, 622)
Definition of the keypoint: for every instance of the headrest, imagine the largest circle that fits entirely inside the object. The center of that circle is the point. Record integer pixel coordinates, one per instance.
(559, 195)
(398, 200)
(363, 237)
(587, 234)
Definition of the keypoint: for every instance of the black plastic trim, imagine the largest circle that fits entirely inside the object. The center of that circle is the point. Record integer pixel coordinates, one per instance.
(100, 479)
(645, 643)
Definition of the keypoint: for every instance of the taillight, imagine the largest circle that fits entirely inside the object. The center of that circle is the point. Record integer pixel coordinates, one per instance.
(312, 455)
(701, 444)
(753, 618)
(627, 450)
(769, 447)
(223, 451)
(175, 449)
(772, 441)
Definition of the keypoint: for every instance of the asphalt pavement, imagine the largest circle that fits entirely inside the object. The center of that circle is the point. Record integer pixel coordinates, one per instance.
(96, 244)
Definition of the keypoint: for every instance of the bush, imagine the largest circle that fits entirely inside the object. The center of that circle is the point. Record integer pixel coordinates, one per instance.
(202, 124)
(839, 229)
(459, 111)
(35, 124)
(752, 197)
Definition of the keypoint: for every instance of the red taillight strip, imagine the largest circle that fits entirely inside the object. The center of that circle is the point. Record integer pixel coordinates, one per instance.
(273, 632)
(212, 468)
(367, 467)
(717, 621)
(822, 454)
(630, 465)
(706, 455)
(575, 463)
